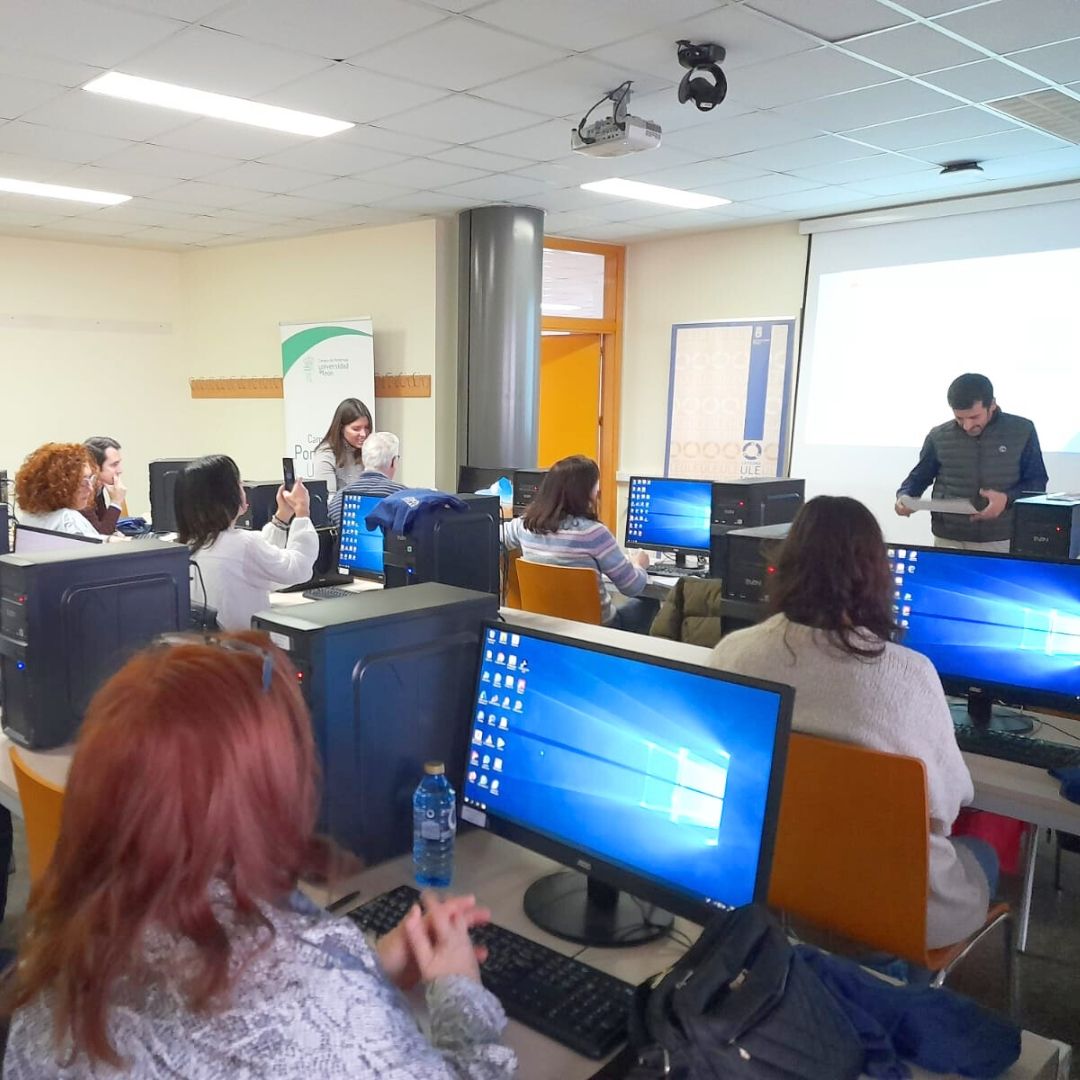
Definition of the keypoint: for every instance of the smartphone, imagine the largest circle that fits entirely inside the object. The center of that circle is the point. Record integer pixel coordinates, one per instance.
(288, 470)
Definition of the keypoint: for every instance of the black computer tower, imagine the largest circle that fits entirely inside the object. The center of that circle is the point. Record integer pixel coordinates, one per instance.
(389, 677)
(526, 484)
(749, 504)
(748, 561)
(5, 529)
(163, 476)
(1047, 525)
(70, 619)
(262, 503)
(454, 547)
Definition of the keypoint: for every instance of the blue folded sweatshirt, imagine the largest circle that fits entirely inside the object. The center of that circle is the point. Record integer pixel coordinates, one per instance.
(400, 510)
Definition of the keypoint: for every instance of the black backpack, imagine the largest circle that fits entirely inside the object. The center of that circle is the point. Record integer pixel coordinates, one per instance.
(741, 1003)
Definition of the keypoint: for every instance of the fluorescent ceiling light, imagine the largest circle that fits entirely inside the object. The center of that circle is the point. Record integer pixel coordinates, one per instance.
(58, 191)
(666, 196)
(218, 106)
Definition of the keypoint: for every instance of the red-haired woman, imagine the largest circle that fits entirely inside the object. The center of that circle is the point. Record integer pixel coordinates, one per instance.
(54, 485)
(166, 937)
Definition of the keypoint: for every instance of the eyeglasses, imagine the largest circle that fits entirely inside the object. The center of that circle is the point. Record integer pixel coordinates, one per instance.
(235, 645)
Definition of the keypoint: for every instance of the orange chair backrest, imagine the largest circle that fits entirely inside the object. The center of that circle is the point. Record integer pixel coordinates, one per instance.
(42, 805)
(853, 844)
(567, 592)
(512, 589)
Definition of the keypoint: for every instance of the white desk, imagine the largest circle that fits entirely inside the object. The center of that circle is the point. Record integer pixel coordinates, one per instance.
(498, 873)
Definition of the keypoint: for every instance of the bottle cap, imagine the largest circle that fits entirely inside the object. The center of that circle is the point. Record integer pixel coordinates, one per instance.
(434, 768)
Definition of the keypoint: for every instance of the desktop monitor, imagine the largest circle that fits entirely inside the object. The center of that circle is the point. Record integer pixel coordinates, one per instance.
(29, 540)
(163, 476)
(653, 776)
(996, 627)
(360, 549)
(482, 480)
(526, 484)
(665, 514)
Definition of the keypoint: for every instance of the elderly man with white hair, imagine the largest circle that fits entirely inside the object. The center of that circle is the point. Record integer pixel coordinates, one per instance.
(381, 452)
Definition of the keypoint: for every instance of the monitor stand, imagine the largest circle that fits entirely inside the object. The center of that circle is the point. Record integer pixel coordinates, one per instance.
(980, 712)
(579, 908)
(680, 558)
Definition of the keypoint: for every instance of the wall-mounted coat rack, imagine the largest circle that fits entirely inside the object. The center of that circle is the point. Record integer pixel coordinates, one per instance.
(386, 386)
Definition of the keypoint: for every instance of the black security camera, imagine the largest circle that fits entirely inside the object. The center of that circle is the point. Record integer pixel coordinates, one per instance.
(704, 83)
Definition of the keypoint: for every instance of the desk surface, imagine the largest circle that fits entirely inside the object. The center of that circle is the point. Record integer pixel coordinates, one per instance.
(498, 872)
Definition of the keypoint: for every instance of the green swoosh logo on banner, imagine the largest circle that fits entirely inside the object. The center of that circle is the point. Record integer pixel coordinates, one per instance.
(292, 348)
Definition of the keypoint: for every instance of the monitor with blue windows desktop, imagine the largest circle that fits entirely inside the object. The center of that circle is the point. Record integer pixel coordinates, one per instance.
(997, 628)
(666, 514)
(360, 549)
(652, 776)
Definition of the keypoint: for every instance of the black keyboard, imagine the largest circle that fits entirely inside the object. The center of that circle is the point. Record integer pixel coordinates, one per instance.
(327, 592)
(662, 569)
(1022, 749)
(568, 1001)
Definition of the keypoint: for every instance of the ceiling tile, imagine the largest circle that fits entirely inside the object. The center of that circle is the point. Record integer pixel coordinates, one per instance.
(748, 38)
(143, 212)
(351, 190)
(937, 128)
(570, 86)
(570, 200)
(573, 25)
(423, 174)
(1003, 144)
(985, 80)
(872, 105)
(556, 224)
(1051, 164)
(701, 174)
(428, 202)
(1060, 62)
(929, 181)
(928, 8)
(621, 232)
(752, 131)
(229, 140)
(80, 111)
(272, 179)
(169, 236)
(45, 69)
(462, 119)
(784, 81)
(123, 182)
(500, 186)
(759, 187)
(914, 49)
(222, 63)
(454, 5)
(333, 157)
(185, 10)
(817, 199)
(199, 193)
(847, 172)
(26, 167)
(828, 19)
(17, 137)
(80, 31)
(330, 28)
(346, 92)
(19, 96)
(27, 210)
(686, 219)
(458, 54)
(164, 161)
(374, 137)
(808, 152)
(288, 207)
(480, 159)
(1017, 24)
(540, 143)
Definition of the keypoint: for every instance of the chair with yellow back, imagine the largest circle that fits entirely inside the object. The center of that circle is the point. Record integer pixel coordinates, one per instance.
(42, 803)
(566, 592)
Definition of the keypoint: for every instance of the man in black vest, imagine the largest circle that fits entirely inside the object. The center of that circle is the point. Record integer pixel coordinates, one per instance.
(985, 455)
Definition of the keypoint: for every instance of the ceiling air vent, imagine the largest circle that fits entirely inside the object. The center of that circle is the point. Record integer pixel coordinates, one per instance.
(1049, 110)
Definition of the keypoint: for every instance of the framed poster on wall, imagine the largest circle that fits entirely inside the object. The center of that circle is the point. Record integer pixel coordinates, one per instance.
(728, 398)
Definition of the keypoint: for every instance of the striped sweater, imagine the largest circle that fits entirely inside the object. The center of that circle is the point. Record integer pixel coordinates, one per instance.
(580, 542)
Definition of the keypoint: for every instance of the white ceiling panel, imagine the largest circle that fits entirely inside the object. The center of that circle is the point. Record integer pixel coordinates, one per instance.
(831, 20)
(462, 119)
(722, 137)
(346, 92)
(558, 224)
(1060, 62)
(164, 161)
(570, 86)
(571, 24)
(1017, 24)
(914, 49)
(272, 179)
(200, 193)
(824, 148)
(79, 111)
(130, 215)
(873, 105)
(622, 232)
(230, 140)
(122, 182)
(1048, 165)
(45, 69)
(539, 143)
(480, 159)
(455, 6)
(423, 174)
(223, 63)
(430, 202)
(26, 210)
(936, 128)
(289, 207)
(351, 190)
(457, 54)
(35, 140)
(570, 200)
(1002, 144)
(784, 81)
(985, 80)
(760, 187)
(182, 237)
(333, 29)
(375, 137)
(26, 167)
(332, 157)
(849, 172)
(19, 96)
(930, 181)
(92, 227)
(824, 198)
(80, 31)
(500, 187)
(185, 10)
(929, 8)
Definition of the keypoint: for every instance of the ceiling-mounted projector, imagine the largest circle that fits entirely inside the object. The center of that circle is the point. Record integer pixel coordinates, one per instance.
(617, 134)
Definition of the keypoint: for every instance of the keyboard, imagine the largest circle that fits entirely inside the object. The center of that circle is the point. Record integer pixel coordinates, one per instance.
(568, 1001)
(662, 569)
(327, 592)
(1022, 749)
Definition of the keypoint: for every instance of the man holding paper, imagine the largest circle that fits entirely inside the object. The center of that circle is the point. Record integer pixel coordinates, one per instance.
(982, 456)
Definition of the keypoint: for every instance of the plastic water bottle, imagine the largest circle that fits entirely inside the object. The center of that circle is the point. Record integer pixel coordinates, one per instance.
(434, 825)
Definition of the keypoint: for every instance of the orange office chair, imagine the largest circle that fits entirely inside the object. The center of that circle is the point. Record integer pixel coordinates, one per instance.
(42, 804)
(852, 853)
(567, 592)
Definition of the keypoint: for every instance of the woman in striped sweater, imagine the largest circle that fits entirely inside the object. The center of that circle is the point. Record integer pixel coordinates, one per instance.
(560, 527)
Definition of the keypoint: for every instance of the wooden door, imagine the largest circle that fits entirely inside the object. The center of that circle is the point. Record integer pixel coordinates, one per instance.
(570, 367)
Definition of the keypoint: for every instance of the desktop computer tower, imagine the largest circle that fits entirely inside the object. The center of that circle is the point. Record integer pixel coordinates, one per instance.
(1047, 525)
(389, 677)
(454, 547)
(262, 503)
(5, 529)
(749, 504)
(70, 619)
(163, 476)
(748, 561)
(526, 484)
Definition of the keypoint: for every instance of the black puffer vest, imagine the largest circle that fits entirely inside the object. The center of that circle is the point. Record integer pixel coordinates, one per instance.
(990, 460)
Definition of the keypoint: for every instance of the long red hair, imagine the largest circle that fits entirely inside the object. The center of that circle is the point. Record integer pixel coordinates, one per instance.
(186, 772)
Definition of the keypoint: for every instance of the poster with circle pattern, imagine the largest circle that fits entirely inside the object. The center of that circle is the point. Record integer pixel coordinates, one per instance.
(728, 399)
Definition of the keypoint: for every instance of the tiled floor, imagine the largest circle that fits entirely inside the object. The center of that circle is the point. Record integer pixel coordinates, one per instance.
(1049, 972)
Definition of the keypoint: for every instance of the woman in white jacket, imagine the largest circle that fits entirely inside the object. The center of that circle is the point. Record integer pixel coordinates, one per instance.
(831, 639)
(240, 568)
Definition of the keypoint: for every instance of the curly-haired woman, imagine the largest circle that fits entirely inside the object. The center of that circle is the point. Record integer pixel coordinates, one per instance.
(54, 485)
